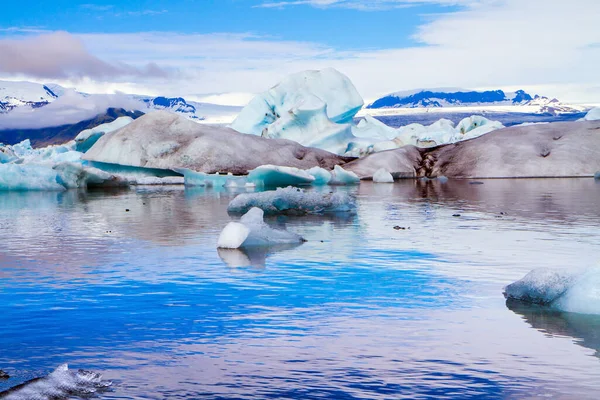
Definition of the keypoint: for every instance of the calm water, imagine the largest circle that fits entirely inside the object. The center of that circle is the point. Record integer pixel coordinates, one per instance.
(360, 311)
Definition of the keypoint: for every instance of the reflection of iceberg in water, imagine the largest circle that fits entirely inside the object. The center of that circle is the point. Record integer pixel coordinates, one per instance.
(252, 256)
(584, 329)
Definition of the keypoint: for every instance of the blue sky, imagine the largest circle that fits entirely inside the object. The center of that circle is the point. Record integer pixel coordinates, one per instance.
(341, 27)
(197, 48)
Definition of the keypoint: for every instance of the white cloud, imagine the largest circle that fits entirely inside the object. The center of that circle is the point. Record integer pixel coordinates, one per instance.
(70, 108)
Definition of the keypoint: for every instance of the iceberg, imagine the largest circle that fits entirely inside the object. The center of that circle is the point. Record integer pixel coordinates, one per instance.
(193, 178)
(339, 176)
(14, 177)
(593, 114)
(321, 175)
(87, 138)
(293, 201)
(168, 141)
(568, 291)
(382, 176)
(306, 91)
(273, 176)
(252, 231)
(60, 384)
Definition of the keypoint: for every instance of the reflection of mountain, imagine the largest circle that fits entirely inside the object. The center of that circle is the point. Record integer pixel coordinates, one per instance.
(584, 329)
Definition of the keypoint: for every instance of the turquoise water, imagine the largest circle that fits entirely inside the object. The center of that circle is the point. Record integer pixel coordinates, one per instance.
(360, 311)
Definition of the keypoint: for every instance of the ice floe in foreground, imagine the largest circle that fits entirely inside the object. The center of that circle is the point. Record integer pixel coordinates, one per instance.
(569, 291)
(252, 231)
(293, 201)
(61, 384)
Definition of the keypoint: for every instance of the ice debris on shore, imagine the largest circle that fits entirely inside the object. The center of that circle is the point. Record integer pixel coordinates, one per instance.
(563, 290)
(293, 201)
(60, 384)
(252, 231)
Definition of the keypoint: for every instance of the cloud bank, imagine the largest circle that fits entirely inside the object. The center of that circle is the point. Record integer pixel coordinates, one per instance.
(550, 47)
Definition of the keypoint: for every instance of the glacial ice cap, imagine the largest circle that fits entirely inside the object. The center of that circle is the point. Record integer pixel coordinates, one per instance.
(326, 89)
(252, 231)
(293, 201)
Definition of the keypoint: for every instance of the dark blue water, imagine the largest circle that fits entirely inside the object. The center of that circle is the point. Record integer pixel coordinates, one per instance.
(506, 118)
(360, 311)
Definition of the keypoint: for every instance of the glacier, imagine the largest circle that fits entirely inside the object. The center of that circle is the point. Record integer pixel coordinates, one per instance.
(293, 201)
(563, 290)
(252, 231)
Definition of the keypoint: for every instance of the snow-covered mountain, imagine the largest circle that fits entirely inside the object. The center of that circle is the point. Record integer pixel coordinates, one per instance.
(24, 94)
(14, 95)
(439, 98)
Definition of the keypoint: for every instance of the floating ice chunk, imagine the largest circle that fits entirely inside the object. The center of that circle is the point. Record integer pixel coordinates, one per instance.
(15, 177)
(593, 114)
(570, 291)
(292, 200)
(60, 384)
(193, 178)
(253, 231)
(475, 126)
(540, 286)
(156, 180)
(74, 175)
(333, 90)
(382, 176)
(273, 175)
(597, 176)
(87, 138)
(321, 175)
(340, 176)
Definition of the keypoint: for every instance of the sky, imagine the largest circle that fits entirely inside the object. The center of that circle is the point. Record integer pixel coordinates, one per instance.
(223, 50)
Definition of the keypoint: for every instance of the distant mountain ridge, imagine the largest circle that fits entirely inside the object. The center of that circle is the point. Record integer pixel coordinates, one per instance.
(435, 98)
(62, 134)
(14, 95)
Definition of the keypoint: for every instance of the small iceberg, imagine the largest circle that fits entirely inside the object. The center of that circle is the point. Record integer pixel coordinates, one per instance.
(293, 201)
(252, 231)
(339, 176)
(61, 384)
(569, 291)
(382, 176)
(273, 176)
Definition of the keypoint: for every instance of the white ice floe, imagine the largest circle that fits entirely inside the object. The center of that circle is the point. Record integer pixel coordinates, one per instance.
(382, 176)
(305, 92)
(86, 138)
(293, 200)
(61, 384)
(252, 231)
(339, 176)
(273, 175)
(571, 291)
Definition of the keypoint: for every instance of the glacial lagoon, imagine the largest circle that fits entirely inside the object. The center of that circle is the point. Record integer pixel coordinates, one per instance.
(401, 300)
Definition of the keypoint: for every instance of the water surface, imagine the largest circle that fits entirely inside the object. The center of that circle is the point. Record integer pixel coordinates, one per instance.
(360, 311)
